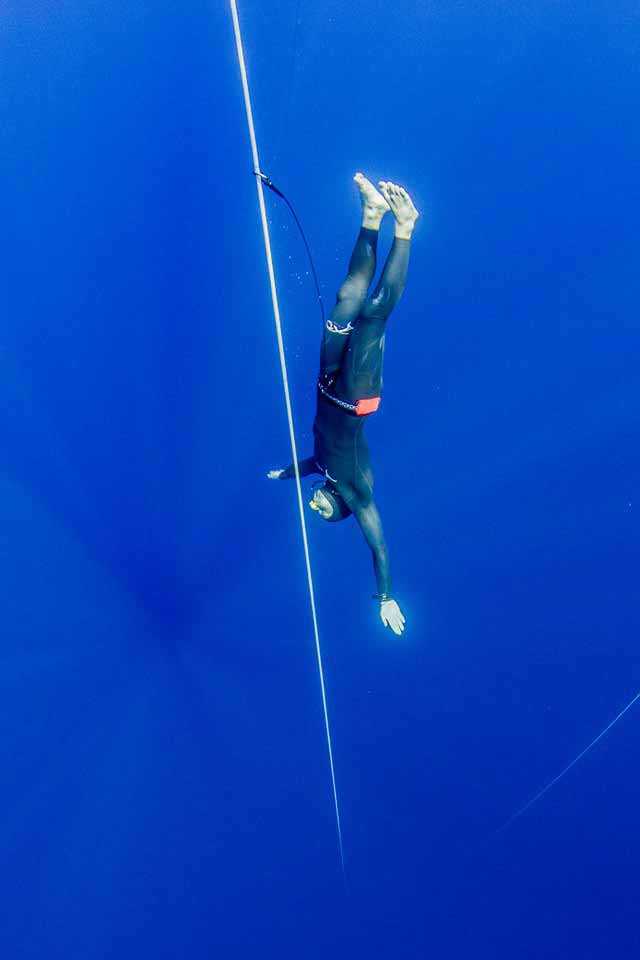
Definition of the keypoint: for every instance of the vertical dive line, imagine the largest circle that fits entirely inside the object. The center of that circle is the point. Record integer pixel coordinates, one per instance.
(552, 783)
(287, 398)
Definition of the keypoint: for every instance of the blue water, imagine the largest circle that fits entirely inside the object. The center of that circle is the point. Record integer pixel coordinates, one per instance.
(165, 787)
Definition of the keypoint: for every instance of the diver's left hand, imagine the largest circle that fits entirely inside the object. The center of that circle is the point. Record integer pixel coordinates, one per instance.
(391, 616)
(275, 474)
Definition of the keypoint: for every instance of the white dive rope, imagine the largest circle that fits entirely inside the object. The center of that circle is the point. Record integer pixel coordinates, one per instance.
(287, 399)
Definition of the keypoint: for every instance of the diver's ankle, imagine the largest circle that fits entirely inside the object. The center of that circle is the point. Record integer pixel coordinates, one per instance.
(371, 220)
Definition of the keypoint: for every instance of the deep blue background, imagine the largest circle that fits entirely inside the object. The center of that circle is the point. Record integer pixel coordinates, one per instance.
(165, 788)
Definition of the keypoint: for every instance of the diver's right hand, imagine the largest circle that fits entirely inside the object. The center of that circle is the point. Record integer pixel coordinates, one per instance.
(275, 474)
(392, 616)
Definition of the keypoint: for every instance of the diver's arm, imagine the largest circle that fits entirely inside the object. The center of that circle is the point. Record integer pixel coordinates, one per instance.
(371, 526)
(305, 467)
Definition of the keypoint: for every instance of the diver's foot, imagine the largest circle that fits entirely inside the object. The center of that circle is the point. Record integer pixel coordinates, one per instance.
(402, 208)
(374, 205)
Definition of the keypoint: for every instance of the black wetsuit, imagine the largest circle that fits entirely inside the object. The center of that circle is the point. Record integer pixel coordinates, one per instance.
(351, 361)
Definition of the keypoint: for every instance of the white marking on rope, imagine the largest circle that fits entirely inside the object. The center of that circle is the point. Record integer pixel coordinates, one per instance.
(287, 398)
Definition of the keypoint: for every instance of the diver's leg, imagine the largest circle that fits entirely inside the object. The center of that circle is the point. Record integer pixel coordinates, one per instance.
(353, 290)
(362, 265)
(361, 372)
(361, 369)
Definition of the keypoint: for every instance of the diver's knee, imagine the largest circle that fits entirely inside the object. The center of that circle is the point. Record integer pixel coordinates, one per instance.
(354, 290)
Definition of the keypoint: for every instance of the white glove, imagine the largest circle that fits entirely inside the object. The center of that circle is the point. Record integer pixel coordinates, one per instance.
(275, 474)
(391, 616)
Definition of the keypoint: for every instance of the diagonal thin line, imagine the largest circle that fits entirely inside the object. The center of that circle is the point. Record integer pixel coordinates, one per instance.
(552, 783)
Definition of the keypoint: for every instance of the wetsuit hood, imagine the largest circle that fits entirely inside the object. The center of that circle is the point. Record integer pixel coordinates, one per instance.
(340, 509)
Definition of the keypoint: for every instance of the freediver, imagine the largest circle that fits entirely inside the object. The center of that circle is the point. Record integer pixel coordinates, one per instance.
(350, 381)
